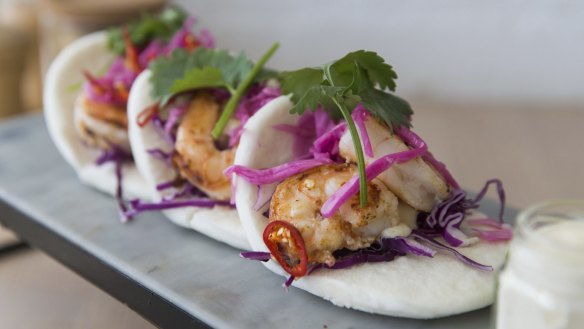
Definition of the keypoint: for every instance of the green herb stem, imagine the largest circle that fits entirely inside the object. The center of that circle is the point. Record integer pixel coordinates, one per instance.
(240, 91)
(358, 150)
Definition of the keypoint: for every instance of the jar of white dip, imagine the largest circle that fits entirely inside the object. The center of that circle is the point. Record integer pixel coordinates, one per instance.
(543, 283)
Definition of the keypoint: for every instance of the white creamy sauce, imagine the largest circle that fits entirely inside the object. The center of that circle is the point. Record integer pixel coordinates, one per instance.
(395, 231)
(543, 284)
(570, 234)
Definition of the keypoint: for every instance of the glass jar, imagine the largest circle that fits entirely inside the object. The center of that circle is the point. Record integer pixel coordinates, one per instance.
(543, 283)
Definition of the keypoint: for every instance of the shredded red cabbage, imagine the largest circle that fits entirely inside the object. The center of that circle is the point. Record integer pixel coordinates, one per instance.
(311, 128)
(359, 115)
(262, 256)
(412, 140)
(151, 52)
(174, 115)
(288, 282)
(186, 39)
(490, 230)
(275, 174)
(188, 191)
(206, 38)
(118, 156)
(255, 98)
(447, 216)
(500, 191)
(327, 145)
(167, 133)
(186, 196)
(161, 155)
(165, 185)
(311, 125)
(384, 250)
(409, 246)
(303, 137)
(264, 196)
(461, 257)
(138, 206)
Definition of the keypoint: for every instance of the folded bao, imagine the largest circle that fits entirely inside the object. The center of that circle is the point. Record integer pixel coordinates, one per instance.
(89, 52)
(86, 93)
(433, 283)
(186, 115)
(219, 222)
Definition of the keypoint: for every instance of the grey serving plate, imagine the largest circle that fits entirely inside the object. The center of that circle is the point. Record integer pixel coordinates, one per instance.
(175, 278)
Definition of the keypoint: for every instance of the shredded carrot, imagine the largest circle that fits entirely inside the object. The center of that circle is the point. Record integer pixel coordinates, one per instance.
(191, 43)
(97, 86)
(131, 53)
(147, 114)
(121, 91)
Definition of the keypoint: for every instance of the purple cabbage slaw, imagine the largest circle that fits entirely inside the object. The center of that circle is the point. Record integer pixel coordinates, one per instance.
(314, 135)
(188, 196)
(444, 220)
(384, 250)
(275, 174)
(120, 77)
(256, 97)
(118, 156)
(359, 115)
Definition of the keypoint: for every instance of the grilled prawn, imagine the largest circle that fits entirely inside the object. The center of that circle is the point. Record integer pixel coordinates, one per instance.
(298, 199)
(197, 158)
(101, 125)
(415, 182)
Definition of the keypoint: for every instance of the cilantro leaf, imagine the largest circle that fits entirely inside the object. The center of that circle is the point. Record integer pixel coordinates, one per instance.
(203, 68)
(358, 77)
(165, 70)
(300, 82)
(388, 107)
(236, 69)
(318, 96)
(199, 78)
(379, 73)
(147, 28)
(208, 68)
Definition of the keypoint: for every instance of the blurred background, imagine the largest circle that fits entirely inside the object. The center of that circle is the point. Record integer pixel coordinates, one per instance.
(497, 87)
(497, 51)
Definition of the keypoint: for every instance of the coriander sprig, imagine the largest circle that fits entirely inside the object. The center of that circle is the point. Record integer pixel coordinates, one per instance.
(148, 27)
(240, 91)
(207, 68)
(359, 77)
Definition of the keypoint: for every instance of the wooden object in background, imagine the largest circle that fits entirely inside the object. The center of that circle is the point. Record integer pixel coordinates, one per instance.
(63, 21)
(13, 46)
(22, 16)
